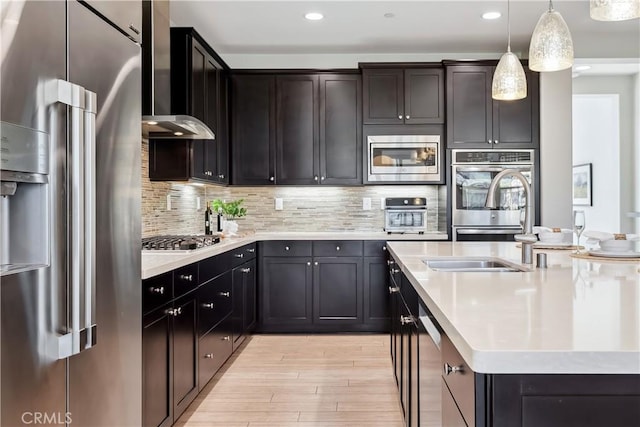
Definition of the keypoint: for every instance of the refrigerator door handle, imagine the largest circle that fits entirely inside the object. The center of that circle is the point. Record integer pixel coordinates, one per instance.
(81, 253)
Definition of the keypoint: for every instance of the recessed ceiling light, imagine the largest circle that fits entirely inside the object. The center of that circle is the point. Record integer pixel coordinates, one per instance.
(314, 16)
(152, 123)
(491, 15)
(389, 15)
(178, 133)
(582, 67)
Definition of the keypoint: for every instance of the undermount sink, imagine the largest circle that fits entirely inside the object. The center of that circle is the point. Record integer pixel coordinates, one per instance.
(473, 264)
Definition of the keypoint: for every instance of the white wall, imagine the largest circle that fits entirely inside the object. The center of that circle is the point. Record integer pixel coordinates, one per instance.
(626, 88)
(596, 140)
(555, 149)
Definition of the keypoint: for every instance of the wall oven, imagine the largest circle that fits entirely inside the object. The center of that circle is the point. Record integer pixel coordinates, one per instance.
(404, 158)
(471, 173)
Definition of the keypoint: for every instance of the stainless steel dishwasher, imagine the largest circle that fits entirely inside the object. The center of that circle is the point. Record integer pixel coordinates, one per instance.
(430, 368)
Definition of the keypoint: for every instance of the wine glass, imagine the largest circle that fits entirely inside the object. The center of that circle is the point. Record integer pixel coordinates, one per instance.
(578, 226)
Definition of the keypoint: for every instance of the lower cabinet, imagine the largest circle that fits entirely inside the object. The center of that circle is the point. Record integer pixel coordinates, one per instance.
(157, 368)
(337, 290)
(244, 315)
(286, 291)
(185, 353)
(215, 348)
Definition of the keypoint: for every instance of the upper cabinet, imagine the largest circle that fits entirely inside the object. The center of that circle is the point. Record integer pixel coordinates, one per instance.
(296, 129)
(199, 87)
(394, 96)
(475, 120)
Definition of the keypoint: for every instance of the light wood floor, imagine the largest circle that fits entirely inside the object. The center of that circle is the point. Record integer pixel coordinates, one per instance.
(302, 381)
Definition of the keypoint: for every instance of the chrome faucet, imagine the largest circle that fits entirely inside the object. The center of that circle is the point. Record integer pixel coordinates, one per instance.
(528, 238)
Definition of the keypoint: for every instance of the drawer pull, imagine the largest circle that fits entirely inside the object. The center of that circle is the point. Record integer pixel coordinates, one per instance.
(315, 263)
(238, 255)
(227, 338)
(337, 248)
(393, 290)
(407, 320)
(159, 290)
(246, 270)
(384, 248)
(174, 311)
(208, 356)
(390, 262)
(208, 305)
(286, 248)
(187, 277)
(448, 369)
(308, 262)
(251, 250)
(225, 294)
(394, 270)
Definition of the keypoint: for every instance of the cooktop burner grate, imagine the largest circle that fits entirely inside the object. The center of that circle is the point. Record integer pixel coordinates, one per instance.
(178, 242)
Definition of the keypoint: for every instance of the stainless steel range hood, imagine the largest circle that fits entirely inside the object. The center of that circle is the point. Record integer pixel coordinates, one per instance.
(158, 122)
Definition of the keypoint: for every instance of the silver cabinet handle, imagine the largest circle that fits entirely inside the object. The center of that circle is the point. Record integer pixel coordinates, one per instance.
(322, 178)
(315, 263)
(224, 294)
(159, 290)
(408, 117)
(406, 320)
(308, 262)
(208, 305)
(394, 270)
(448, 369)
(384, 248)
(489, 141)
(495, 141)
(315, 178)
(208, 356)
(227, 338)
(238, 255)
(393, 290)
(246, 270)
(187, 277)
(221, 176)
(174, 311)
(400, 116)
(337, 248)
(251, 250)
(286, 248)
(272, 178)
(390, 262)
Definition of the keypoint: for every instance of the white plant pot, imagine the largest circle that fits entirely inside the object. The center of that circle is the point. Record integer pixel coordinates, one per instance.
(229, 227)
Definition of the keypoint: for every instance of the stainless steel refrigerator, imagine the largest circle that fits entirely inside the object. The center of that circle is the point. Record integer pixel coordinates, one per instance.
(70, 213)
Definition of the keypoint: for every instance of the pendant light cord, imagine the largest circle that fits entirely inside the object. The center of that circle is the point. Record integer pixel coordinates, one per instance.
(508, 26)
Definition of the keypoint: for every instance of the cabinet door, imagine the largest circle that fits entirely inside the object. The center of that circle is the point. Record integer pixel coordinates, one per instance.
(376, 293)
(170, 160)
(337, 290)
(244, 301)
(210, 148)
(157, 370)
(253, 129)
(414, 377)
(383, 96)
(469, 106)
(237, 314)
(222, 131)
(405, 370)
(198, 81)
(340, 129)
(250, 298)
(214, 348)
(424, 96)
(517, 123)
(297, 130)
(451, 416)
(286, 291)
(185, 353)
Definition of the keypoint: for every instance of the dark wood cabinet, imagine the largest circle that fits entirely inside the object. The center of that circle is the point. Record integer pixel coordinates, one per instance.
(376, 300)
(253, 129)
(244, 301)
(199, 89)
(286, 290)
(296, 129)
(403, 96)
(185, 353)
(157, 368)
(475, 120)
(337, 290)
(215, 347)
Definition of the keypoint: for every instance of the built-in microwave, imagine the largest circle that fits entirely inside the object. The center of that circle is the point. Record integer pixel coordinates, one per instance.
(413, 158)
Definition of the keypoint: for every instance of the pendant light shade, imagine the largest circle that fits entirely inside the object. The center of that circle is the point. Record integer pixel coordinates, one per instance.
(614, 10)
(551, 47)
(509, 81)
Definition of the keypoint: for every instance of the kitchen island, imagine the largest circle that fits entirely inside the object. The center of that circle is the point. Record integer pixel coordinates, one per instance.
(555, 346)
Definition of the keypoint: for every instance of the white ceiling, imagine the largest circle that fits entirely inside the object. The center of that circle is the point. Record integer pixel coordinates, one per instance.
(262, 33)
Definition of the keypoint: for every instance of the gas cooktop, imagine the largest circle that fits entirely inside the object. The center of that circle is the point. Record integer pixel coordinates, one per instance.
(179, 243)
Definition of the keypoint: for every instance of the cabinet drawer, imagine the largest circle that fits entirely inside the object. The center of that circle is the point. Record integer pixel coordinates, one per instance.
(337, 248)
(185, 279)
(214, 302)
(214, 349)
(157, 291)
(375, 248)
(286, 248)
(241, 255)
(460, 383)
(214, 266)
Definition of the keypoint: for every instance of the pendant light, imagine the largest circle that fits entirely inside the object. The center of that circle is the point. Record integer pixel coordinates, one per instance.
(614, 10)
(509, 80)
(551, 47)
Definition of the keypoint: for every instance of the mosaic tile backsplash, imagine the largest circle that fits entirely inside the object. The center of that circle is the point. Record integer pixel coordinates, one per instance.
(313, 209)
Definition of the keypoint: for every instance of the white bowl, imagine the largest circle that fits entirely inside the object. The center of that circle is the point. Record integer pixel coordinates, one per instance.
(616, 245)
(563, 236)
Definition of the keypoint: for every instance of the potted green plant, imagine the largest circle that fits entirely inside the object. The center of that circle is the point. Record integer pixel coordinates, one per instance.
(230, 210)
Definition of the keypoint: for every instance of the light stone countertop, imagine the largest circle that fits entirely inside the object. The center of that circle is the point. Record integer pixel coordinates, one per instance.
(158, 262)
(577, 316)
